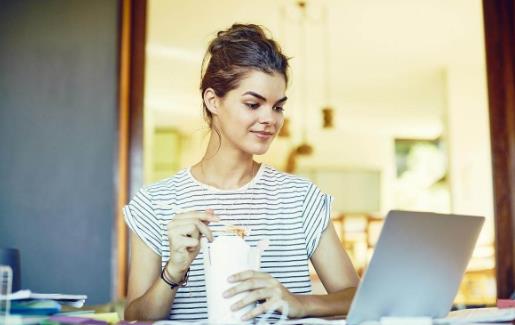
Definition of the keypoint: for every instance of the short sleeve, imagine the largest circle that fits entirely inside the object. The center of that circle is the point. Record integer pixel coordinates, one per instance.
(142, 220)
(316, 215)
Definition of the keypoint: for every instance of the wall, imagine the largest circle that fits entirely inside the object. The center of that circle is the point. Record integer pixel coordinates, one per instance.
(468, 127)
(58, 93)
(469, 142)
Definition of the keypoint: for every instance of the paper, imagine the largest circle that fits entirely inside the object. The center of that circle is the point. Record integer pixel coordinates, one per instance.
(313, 321)
(111, 318)
(76, 320)
(27, 294)
(478, 315)
(63, 299)
(406, 320)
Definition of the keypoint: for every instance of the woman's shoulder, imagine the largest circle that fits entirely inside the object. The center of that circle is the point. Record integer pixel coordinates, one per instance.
(272, 176)
(167, 186)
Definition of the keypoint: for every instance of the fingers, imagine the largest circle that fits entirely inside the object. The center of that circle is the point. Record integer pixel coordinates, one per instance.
(263, 308)
(207, 216)
(190, 244)
(191, 224)
(249, 274)
(256, 295)
(251, 284)
(192, 228)
(260, 286)
(204, 229)
(184, 232)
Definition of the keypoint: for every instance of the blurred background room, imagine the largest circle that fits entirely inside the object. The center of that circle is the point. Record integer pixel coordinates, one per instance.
(388, 108)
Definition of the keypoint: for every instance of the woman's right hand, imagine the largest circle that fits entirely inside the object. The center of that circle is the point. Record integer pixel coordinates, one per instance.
(184, 233)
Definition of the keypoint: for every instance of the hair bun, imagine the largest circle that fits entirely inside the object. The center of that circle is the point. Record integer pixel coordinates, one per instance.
(241, 30)
(235, 34)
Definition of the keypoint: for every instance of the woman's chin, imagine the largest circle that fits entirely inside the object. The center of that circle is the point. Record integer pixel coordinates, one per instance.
(257, 150)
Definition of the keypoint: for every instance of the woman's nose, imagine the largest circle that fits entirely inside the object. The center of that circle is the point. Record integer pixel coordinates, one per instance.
(266, 116)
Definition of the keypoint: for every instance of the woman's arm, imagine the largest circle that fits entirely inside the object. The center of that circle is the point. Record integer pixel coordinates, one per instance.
(335, 270)
(148, 297)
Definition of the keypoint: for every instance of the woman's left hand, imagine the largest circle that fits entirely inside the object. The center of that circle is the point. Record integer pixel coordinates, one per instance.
(262, 286)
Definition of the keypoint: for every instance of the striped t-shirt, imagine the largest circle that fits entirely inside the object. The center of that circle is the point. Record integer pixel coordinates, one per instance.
(289, 211)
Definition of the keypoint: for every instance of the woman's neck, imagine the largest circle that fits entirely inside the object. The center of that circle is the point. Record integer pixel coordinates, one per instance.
(225, 167)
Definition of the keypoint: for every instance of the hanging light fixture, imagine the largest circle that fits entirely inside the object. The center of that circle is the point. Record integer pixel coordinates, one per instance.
(328, 110)
(304, 148)
(328, 117)
(284, 132)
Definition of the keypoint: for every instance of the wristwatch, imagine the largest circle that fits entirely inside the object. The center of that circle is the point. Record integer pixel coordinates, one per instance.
(172, 284)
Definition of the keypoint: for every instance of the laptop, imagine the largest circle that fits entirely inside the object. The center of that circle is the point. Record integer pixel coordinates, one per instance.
(417, 266)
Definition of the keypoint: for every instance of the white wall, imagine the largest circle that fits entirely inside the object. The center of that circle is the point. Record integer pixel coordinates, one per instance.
(469, 143)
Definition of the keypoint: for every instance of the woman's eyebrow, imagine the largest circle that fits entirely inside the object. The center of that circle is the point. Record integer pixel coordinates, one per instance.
(263, 98)
(282, 100)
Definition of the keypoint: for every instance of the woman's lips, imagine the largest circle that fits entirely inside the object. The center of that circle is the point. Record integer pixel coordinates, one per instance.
(263, 135)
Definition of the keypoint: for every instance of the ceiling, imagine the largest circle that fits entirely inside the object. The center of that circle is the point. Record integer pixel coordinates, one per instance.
(379, 61)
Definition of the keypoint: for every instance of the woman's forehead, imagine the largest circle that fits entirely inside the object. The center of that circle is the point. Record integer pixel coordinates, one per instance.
(272, 86)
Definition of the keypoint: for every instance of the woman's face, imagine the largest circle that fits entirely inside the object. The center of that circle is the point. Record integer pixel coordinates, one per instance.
(250, 116)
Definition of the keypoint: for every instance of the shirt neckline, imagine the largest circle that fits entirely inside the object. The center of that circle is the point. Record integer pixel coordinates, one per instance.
(219, 190)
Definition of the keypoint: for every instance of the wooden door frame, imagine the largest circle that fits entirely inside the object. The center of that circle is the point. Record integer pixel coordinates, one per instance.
(129, 169)
(499, 28)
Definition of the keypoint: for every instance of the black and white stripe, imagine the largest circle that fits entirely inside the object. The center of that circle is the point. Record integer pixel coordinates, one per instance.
(289, 211)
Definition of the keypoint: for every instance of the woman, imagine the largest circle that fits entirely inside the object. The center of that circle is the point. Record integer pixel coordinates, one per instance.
(243, 91)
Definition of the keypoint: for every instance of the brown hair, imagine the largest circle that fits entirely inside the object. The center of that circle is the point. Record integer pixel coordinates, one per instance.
(232, 54)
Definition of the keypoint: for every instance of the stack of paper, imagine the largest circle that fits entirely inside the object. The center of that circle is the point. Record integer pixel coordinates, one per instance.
(28, 307)
(62, 299)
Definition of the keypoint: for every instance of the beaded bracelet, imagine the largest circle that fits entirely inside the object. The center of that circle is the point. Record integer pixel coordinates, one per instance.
(172, 284)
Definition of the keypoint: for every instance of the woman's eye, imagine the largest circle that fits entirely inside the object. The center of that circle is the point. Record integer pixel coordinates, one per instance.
(252, 105)
(279, 109)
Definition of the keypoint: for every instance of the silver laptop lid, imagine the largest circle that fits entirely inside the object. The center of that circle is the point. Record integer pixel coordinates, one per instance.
(416, 267)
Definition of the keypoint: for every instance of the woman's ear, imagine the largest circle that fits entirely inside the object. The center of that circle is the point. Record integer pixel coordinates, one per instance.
(211, 100)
